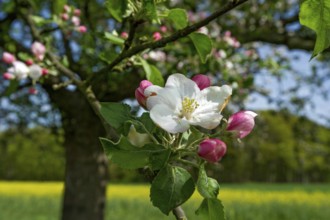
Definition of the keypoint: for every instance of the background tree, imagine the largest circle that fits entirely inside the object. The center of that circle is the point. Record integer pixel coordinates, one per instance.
(88, 62)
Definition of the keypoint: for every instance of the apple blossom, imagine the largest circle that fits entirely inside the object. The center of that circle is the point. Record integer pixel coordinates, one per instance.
(8, 76)
(139, 92)
(157, 36)
(19, 70)
(39, 50)
(181, 104)
(75, 20)
(241, 123)
(158, 55)
(163, 29)
(64, 16)
(33, 91)
(35, 72)
(8, 58)
(29, 62)
(202, 81)
(82, 29)
(124, 35)
(77, 12)
(212, 150)
(67, 8)
(44, 71)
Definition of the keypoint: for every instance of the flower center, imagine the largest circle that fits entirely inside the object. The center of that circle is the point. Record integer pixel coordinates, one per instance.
(188, 107)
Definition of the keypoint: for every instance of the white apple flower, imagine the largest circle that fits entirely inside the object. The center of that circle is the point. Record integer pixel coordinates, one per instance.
(35, 72)
(19, 70)
(181, 104)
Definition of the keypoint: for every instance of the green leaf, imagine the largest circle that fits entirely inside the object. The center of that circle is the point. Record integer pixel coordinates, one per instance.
(315, 14)
(158, 159)
(116, 8)
(194, 135)
(124, 154)
(149, 10)
(206, 186)
(13, 85)
(58, 6)
(211, 209)
(152, 73)
(146, 124)
(171, 187)
(116, 114)
(179, 18)
(203, 45)
(40, 21)
(114, 39)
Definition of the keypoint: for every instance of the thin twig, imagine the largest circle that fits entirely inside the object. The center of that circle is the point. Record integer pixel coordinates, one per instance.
(175, 36)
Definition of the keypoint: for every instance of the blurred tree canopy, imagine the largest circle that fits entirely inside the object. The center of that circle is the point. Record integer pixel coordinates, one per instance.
(283, 148)
(91, 57)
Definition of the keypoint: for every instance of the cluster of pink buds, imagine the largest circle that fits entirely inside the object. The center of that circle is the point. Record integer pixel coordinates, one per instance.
(72, 15)
(212, 150)
(230, 40)
(240, 124)
(157, 36)
(19, 70)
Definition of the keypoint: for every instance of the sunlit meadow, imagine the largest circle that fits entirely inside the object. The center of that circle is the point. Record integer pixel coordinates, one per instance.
(38, 201)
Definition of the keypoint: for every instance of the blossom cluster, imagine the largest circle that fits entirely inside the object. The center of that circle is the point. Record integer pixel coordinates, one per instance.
(71, 16)
(185, 102)
(30, 68)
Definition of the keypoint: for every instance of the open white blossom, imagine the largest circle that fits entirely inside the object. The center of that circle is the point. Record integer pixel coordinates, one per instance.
(19, 70)
(35, 72)
(181, 104)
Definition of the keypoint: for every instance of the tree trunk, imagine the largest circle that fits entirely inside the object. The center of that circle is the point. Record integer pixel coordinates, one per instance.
(86, 171)
(86, 164)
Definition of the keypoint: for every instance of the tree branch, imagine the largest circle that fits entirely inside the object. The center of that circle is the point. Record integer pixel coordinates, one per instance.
(87, 91)
(177, 35)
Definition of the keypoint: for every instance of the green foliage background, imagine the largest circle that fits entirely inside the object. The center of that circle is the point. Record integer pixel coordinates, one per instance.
(282, 148)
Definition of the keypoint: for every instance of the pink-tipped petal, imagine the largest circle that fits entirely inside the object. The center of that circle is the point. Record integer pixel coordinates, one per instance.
(212, 150)
(8, 58)
(202, 81)
(241, 123)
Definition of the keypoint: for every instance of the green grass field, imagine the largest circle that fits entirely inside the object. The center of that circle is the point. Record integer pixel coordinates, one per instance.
(41, 201)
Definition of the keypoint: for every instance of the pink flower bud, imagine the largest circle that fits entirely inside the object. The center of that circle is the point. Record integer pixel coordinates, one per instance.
(77, 12)
(139, 92)
(157, 36)
(163, 29)
(39, 50)
(29, 62)
(75, 20)
(241, 123)
(124, 35)
(8, 76)
(212, 150)
(66, 8)
(64, 16)
(33, 91)
(227, 34)
(8, 57)
(82, 29)
(202, 81)
(44, 71)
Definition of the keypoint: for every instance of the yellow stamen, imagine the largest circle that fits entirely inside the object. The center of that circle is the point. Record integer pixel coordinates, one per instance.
(188, 107)
(224, 104)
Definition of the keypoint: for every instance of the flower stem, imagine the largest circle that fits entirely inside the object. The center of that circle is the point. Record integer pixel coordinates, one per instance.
(179, 213)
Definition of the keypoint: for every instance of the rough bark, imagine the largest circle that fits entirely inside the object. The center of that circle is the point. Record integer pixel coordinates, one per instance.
(86, 164)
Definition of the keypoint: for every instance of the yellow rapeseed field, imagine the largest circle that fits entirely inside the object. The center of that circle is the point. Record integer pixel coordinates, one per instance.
(228, 195)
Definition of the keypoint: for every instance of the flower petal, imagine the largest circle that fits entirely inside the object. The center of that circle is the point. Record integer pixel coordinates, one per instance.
(164, 117)
(218, 94)
(185, 86)
(167, 96)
